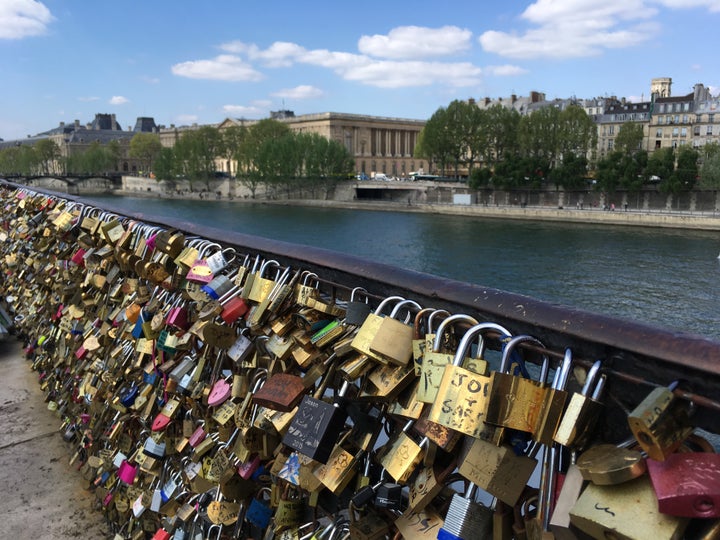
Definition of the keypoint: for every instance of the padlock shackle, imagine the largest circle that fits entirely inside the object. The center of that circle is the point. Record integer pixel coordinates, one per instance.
(386, 301)
(359, 289)
(448, 321)
(471, 334)
(396, 309)
(563, 372)
(514, 342)
(590, 377)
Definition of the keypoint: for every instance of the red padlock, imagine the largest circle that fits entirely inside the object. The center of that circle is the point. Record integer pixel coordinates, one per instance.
(79, 257)
(235, 308)
(177, 317)
(687, 484)
(161, 534)
(197, 437)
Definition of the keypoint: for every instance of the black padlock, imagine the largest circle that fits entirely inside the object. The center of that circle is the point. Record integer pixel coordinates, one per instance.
(389, 496)
(316, 427)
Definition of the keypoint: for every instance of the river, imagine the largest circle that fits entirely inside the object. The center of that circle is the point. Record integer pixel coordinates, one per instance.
(665, 277)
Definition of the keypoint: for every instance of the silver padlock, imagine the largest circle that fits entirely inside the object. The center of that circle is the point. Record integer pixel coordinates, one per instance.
(466, 518)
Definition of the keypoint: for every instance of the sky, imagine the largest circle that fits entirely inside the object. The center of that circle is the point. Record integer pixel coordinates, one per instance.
(184, 62)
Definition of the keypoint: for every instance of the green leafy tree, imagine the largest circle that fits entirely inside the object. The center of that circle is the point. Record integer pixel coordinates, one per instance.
(436, 143)
(629, 138)
(577, 134)
(609, 171)
(710, 170)
(254, 155)
(232, 142)
(685, 175)
(145, 147)
(501, 127)
(540, 133)
(165, 166)
(661, 163)
(571, 172)
(47, 153)
(195, 153)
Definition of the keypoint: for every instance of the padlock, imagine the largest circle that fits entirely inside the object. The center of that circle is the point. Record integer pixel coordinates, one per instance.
(262, 284)
(607, 464)
(687, 484)
(466, 519)
(553, 405)
(463, 394)
(661, 422)
(357, 311)
(496, 469)
(627, 511)
(393, 339)
(219, 285)
(402, 454)
(281, 392)
(583, 411)
(366, 333)
(340, 467)
(219, 259)
(516, 402)
(434, 361)
(572, 486)
(316, 426)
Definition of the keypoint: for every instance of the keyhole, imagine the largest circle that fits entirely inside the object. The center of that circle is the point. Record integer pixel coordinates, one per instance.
(703, 505)
(644, 438)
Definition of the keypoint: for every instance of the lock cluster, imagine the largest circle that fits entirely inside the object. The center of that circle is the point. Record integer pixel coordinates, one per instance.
(207, 392)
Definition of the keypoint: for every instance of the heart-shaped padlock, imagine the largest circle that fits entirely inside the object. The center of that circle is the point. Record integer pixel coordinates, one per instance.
(221, 390)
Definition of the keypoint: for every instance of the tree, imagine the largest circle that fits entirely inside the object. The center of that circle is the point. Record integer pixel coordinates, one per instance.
(253, 149)
(577, 132)
(232, 141)
(629, 138)
(710, 170)
(501, 126)
(145, 147)
(571, 172)
(195, 154)
(609, 171)
(539, 134)
(165, 167)
(685, 175)
(47, 153)
(661, 163)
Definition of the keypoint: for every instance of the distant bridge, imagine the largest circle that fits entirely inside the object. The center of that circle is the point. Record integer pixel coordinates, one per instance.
(71, 183)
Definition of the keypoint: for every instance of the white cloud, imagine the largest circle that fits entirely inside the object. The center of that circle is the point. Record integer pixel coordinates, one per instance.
(23, 18)
(118, 100)
(414, 42)
(507, 70)
(242, 110)
(150, 80)
(225, 67)
(303, 91)
(575, 28)
(712, 5)
(88, 98)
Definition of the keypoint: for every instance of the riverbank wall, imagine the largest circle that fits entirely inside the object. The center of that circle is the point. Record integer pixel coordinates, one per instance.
(649, 209)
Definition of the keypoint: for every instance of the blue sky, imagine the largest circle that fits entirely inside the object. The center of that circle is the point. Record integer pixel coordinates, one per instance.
(182, 62)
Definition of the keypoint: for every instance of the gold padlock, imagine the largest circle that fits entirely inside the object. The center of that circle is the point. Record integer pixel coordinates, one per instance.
(661, 422)
(463, 394)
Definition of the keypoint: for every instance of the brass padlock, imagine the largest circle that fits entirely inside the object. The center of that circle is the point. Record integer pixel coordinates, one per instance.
(463, 394)
(515, 402)
(393, 339)
(366, 333)
(627, 512)
(661, 422)
(583, 411)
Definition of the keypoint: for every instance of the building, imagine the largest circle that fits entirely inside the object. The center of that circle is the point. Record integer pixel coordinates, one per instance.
(378, 144)
(75, 138)
(616, 113)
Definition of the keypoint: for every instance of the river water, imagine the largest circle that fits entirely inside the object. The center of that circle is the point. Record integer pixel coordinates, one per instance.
(665, 277)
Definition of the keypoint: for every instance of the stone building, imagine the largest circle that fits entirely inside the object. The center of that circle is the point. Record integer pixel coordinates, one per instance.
(378, 144)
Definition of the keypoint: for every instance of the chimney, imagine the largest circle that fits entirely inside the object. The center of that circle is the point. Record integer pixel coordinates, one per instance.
(62, 124)
(487, 101)
(513, 97)
(471, 101)
(77, 124)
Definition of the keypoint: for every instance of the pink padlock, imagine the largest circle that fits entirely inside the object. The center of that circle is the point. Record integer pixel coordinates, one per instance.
(127, 472)
(79, 257)
(197, 437)
(221, 390)
(247, 469)
(177, 317)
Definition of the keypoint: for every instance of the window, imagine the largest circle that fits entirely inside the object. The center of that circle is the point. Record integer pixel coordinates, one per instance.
(683, 132)
(686, 107)
(658, 133)
(675, 132)
(610, 144)
(611, 130)
(696, 130)
(677, 118)
(668, 119)
(711, 118)
(709, 130)
(674, 144)
(686, 119)
(660, 119)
